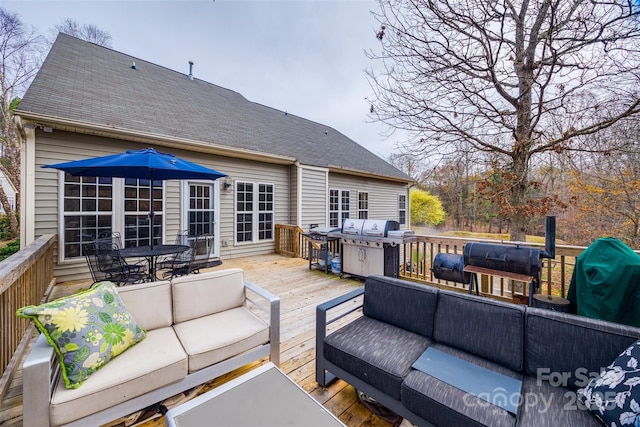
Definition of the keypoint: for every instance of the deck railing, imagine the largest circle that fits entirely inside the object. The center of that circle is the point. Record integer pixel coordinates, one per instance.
(26, 277)
(555, 277)
(417, 261)
(290, 240)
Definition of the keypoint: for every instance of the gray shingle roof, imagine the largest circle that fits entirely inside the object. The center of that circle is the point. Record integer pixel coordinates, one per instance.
(87, 83)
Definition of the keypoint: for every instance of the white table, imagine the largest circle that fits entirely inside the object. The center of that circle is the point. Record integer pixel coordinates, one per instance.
(263, 397)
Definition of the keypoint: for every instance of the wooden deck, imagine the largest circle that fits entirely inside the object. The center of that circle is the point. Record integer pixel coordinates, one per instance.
(300, 291)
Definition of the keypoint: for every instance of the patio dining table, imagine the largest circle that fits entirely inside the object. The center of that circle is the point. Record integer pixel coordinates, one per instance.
(151, 254)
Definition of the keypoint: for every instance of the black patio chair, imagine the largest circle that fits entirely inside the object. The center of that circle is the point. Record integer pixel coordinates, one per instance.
(115, 236)
(91, 254)
(114, 267)
(181, 263)
(182, 238)
(203, 248)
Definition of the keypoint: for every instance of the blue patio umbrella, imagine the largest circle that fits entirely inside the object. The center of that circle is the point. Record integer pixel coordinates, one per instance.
(141, 164)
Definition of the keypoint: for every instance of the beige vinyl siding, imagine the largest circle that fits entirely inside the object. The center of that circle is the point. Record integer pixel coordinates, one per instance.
(61, 146)
(293, 195)
(314, 197)
(383, 195)
(258, 173)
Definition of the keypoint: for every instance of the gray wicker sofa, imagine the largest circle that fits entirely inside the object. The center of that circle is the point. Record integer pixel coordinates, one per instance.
(551, 353)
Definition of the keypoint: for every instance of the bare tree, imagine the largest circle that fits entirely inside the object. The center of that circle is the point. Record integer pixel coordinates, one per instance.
(20, 59)
(513, 79)
(604, 188)
(87, 32)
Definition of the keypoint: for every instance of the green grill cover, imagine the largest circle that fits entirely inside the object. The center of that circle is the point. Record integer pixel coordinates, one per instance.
(606, 283)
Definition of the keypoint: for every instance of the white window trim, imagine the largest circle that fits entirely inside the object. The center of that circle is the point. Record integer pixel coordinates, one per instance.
(117, 214)
(255, 229)
(184, 209)
(340, 210)
(358, 204)
(406, 218)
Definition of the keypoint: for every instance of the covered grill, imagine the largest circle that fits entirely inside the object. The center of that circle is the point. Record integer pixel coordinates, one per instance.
(371, 246)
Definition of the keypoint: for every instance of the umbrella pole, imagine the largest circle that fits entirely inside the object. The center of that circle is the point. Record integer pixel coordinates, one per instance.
(151, 213)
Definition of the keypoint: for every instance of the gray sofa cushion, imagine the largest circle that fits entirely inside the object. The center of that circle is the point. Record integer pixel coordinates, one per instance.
(400, 303)
(376, 352)
(490, 329)
(443, 404)
(581, 346)
(544, 405)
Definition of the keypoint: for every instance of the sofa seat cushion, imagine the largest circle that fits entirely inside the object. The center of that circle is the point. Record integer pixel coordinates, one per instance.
(156, 361)
(216, 337)
(544, 404)
(376, 352)
(444, 404)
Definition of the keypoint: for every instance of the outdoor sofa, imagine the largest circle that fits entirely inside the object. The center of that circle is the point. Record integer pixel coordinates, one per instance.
(198, 327)
(422, 352)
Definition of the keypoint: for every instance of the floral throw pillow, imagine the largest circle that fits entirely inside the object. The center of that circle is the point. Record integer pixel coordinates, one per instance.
(614, 396)
(86, 330)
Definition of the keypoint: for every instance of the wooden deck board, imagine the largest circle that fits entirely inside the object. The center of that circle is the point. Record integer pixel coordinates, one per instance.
(300, 291)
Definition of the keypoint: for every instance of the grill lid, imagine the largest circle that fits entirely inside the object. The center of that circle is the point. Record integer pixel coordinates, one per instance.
(323, 230)
(352, 226)
(379, 227)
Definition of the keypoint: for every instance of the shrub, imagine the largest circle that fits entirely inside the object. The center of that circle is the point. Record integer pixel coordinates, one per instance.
(9, 249)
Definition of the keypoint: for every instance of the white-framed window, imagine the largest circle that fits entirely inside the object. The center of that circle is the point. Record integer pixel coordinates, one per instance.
(339, 201)
(87, 212)
(402, 209)
(254, 212)
(363, 205)
(201, 211)
(137, 205)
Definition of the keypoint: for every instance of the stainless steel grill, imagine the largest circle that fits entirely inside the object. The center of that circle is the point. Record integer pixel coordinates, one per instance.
(371, 246)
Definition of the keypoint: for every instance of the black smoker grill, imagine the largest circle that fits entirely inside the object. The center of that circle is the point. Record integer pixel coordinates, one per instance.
(522, 263)
(371, 246)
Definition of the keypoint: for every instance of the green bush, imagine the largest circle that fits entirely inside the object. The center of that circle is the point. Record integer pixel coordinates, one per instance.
(9, 249)
(5, 230)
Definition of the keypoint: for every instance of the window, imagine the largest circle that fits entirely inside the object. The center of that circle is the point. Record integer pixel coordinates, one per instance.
(201, 212)
(265, 212)
(363, 205)
(137, 205)
(338, 207)
(87, 212)
(254, 221)
(402, 208)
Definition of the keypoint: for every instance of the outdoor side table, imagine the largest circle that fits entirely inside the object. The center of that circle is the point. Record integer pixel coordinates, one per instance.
(262, 397)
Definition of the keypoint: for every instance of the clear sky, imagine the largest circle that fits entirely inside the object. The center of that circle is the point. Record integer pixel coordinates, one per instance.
(304, 57)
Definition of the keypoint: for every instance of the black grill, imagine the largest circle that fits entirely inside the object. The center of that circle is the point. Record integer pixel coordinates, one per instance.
(450, 267)
(512, 259)
(518, 262)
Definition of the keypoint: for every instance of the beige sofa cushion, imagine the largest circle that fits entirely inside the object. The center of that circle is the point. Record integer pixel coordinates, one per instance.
(198, 295)
(149, 304)
(156, 361)
(211, 339)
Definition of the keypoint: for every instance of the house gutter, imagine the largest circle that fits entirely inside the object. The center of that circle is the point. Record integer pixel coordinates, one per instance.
(356, 172)
(27, 180)
(39, 120)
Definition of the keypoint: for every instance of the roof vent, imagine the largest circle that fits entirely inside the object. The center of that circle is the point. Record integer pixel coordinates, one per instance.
(133, 66)
(190, 70)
